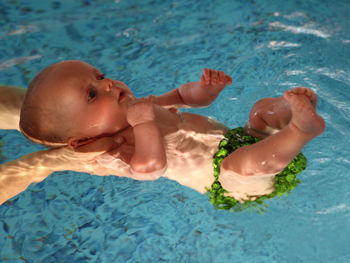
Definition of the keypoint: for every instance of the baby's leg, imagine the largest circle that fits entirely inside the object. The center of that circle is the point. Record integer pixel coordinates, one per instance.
(270, 115)
(274, 153)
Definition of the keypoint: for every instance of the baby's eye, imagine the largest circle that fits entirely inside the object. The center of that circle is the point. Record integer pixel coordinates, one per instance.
(92, 95)
(101, 77)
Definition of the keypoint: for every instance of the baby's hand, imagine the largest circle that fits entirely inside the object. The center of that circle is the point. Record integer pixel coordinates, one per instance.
(140, 111)
(206, 90)
(213, 81)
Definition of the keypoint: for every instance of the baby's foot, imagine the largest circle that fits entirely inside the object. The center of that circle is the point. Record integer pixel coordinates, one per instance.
(308, 93)
(302, 102)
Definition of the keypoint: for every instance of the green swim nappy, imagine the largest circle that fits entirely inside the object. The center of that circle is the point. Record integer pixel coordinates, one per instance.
(285, 181)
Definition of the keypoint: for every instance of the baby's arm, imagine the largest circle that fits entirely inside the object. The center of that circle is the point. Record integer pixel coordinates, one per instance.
(149, 159)
(200, 93)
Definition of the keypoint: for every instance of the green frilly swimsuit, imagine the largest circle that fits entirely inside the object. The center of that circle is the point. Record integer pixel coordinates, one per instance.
(285, 181)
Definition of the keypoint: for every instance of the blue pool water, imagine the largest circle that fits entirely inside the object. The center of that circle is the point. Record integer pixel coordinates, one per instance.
(153, 46)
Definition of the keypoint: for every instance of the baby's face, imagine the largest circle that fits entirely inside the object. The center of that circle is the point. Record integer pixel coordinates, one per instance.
(93, 104)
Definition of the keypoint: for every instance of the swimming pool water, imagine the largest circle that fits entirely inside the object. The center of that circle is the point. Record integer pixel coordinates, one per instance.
(154, 46)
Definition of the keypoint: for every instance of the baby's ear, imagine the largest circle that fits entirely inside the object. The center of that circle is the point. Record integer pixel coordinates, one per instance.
(102, 144)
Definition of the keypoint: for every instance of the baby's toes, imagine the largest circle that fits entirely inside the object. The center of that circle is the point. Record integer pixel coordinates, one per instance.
(302, 91)
(312, 97)
(298, 101)
(309, 93)
(288, 94)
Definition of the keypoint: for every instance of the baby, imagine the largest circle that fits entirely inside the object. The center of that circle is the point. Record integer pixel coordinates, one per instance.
(71, 105)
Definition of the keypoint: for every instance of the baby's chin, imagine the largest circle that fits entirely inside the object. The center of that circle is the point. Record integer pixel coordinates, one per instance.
(126, 97)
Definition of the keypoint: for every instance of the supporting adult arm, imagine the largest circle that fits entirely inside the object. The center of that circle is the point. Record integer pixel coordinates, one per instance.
(17, 175)
(11, 99)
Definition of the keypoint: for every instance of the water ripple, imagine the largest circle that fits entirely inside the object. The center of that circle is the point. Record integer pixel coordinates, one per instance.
(16, 61)
(334, 209)
(306, 29)
(23, 29)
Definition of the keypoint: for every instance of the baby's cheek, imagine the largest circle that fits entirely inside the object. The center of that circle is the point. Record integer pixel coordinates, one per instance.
(110, 121)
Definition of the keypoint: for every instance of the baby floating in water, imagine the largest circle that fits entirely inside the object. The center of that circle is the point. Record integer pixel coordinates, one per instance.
(72, 105)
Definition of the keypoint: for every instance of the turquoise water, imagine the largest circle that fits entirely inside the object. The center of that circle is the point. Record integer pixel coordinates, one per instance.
(154, 46)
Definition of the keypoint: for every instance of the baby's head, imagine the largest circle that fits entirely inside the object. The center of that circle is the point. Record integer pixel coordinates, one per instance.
(72, 103)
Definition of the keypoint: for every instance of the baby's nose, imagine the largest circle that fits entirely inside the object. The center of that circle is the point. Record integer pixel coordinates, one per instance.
(106, 84)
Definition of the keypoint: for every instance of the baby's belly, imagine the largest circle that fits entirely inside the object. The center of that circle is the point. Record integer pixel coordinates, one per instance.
(196, 174)
(190, 158)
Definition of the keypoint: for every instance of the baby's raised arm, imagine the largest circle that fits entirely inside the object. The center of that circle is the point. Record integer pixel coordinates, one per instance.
(196, 94)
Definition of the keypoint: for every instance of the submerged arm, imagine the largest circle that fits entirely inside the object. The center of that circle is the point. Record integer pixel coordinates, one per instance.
(17, 175)
(11, 99)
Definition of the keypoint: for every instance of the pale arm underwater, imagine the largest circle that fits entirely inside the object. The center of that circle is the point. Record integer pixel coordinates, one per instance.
(16, 176)
(11, 99)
